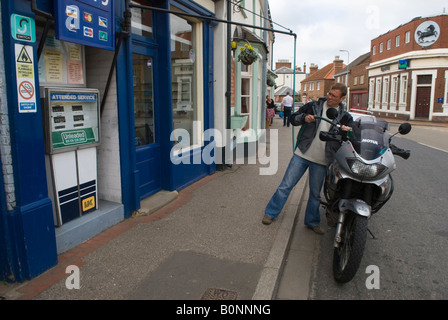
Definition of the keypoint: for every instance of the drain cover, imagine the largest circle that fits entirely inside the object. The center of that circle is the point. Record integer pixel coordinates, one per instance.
(219, 294)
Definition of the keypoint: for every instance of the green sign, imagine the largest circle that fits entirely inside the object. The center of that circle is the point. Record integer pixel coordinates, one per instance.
(70, 138)
(23, 28)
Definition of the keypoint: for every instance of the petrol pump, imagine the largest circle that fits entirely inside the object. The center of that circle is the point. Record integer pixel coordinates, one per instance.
(72, 135)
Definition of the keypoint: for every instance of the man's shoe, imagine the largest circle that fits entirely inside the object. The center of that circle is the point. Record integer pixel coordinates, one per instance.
(266, 220)
(317, 229)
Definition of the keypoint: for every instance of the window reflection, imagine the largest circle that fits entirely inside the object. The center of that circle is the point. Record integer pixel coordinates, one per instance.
(183, 58)
(143, 99)
(141, 21)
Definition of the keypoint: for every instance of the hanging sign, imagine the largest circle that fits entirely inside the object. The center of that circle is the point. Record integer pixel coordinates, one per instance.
(87, 22)
(26, 87)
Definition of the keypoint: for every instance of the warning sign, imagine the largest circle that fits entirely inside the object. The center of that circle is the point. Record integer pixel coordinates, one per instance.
(26, 90)
(26, 87)
(24, 57)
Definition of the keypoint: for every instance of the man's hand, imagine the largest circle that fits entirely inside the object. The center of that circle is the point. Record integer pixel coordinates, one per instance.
(346, 128)
(309, 118)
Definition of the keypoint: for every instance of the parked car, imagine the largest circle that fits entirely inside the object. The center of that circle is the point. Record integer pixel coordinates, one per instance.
(297, 105)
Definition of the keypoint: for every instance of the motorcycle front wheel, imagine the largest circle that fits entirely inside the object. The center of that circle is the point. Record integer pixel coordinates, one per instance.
(347, 257)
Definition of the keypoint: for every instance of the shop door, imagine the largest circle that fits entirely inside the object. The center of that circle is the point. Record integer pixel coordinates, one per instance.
(423, 101)
(147, 144)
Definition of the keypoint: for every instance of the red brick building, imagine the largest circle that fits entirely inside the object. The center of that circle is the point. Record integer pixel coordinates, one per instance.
(408, 71)
(355, 77)
(319, 81)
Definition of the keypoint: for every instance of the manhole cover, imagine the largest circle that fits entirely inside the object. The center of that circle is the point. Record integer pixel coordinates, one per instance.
(219, 294)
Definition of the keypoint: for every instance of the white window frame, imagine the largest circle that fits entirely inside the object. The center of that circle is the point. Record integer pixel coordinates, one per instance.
(371, 91)
(394, 90)
(407, 37)
(397, 41)
(403, 89)
(385, 93)
(378, 91)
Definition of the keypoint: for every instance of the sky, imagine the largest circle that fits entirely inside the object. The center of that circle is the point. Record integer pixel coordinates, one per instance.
(324, 27)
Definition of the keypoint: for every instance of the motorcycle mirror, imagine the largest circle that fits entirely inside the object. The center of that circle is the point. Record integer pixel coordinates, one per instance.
(405, 128)
(332, 113)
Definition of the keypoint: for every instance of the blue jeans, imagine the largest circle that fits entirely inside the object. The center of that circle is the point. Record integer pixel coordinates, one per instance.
(297, 167)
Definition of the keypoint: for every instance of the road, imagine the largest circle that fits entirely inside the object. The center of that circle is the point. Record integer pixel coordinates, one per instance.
(411, 231)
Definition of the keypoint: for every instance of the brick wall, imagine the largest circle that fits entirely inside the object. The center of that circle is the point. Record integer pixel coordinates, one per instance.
(358, 71)
(5, 140)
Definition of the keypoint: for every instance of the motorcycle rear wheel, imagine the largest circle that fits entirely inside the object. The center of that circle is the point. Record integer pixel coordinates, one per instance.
(347, 257)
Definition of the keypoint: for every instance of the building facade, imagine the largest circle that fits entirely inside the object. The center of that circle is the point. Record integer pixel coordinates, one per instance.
(319, 81)
(103, 105)
(408, 71)
(355, 77)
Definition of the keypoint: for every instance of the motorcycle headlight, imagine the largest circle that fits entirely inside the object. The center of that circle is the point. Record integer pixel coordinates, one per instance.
(364, 170)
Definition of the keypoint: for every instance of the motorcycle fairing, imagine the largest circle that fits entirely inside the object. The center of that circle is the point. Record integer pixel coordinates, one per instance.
(370, 138)
(357, 206)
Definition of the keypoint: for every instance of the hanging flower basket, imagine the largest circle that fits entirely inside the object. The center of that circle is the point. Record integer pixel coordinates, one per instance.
(247, 55)
(270, 81)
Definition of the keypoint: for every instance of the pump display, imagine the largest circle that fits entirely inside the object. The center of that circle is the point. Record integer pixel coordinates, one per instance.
(72, 134)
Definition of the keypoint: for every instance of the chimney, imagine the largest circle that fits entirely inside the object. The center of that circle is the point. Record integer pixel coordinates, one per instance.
(313, 68)
(304, 67)
(338, 64)
(283, 63)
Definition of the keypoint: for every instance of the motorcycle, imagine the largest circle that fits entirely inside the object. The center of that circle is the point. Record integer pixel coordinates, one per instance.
(357, 185)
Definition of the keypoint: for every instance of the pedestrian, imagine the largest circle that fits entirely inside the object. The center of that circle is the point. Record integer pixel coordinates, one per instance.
(310, 153)
(270, 111)
(287, 103)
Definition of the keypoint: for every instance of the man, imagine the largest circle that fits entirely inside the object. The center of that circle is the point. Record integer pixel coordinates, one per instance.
(287, 103)
(310, 153)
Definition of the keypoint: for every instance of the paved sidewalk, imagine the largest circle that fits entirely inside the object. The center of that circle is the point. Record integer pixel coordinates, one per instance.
(208, 242)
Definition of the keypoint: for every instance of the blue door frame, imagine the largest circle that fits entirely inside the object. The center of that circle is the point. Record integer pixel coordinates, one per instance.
(173, 177)
(30, 236)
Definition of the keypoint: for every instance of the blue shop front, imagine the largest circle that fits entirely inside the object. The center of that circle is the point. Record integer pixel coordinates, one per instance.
(102, 104)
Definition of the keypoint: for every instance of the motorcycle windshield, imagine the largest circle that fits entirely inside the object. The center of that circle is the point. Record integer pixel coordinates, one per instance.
(370, 138)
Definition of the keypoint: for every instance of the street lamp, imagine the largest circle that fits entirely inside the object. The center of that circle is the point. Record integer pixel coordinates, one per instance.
(348, 56)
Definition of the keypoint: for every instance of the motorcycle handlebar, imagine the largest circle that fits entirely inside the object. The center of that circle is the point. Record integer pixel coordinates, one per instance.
(326, 136)
(405, 154)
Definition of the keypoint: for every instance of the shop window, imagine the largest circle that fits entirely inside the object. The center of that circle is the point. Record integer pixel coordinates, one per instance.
(141, 22)
(186, 64)
(61, 63)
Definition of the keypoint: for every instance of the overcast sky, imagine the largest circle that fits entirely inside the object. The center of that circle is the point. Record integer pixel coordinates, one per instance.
(324, 27)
